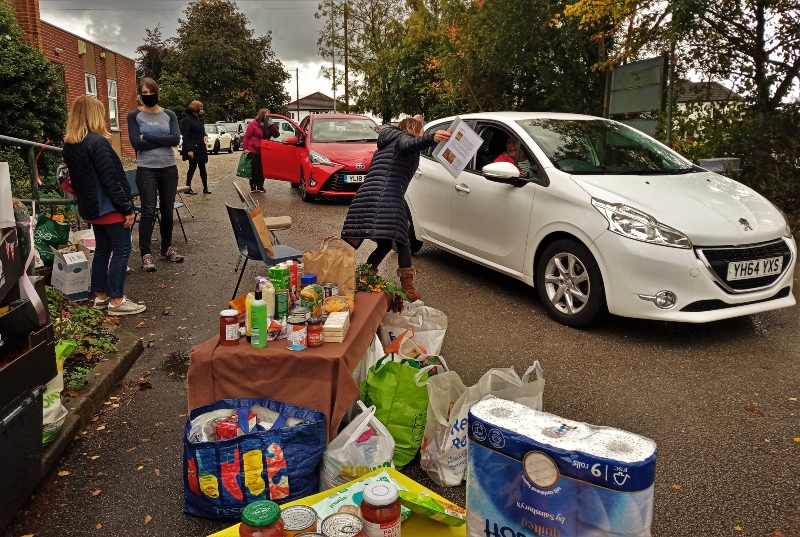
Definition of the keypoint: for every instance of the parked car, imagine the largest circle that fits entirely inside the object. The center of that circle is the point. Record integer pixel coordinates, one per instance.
(597, 215)
(327, 155)
(236, 130)
(218, 138)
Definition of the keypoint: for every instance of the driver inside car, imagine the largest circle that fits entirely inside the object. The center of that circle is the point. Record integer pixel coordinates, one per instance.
(510, 155)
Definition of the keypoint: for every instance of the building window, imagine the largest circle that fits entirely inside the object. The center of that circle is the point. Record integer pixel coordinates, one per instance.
(91, 85)
(113, 108)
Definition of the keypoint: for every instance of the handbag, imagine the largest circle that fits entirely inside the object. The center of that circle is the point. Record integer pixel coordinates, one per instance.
(245, 168)
(333, 265)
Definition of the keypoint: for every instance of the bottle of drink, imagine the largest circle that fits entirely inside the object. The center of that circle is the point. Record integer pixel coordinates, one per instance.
(258, 312)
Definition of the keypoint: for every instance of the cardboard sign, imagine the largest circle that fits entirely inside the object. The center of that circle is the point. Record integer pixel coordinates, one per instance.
(71, 274)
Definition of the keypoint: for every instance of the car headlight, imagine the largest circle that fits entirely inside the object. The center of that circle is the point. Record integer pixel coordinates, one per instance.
(320, 159)
(637, 225)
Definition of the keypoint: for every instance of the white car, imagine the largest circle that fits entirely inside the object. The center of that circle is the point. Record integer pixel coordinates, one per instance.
(218, 138)
(598, 216)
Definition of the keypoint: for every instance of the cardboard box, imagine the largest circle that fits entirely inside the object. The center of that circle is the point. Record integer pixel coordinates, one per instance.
(71, 274)
(11, 262)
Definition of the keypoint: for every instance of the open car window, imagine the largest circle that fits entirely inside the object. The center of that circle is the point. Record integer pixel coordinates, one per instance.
(436, 128)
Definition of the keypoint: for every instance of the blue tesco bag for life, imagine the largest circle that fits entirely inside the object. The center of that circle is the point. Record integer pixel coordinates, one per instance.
(274, 457)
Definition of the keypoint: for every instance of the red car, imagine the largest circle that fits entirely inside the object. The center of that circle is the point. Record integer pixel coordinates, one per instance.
(327, 155)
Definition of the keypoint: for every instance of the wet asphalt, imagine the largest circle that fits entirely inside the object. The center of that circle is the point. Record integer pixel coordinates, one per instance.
(720, 399)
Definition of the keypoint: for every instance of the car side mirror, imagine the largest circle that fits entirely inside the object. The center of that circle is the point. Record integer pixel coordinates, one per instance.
(290, 140)
(501, 170)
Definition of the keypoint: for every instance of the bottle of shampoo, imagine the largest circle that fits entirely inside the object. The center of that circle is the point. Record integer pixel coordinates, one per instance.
(258, 314)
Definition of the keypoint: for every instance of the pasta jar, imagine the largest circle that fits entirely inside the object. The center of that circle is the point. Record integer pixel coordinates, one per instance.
(261, 519)
(342, 525)
(381, 510)
(315, 332)
(228, 328)
(298, 520)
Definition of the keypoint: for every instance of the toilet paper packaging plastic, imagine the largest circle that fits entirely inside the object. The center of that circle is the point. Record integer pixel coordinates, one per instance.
(533, 474)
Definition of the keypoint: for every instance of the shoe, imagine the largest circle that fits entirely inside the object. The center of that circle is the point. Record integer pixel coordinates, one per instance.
(126, 307)
(372, 271)
(191, 192)
(206, 191)
(262, 189)
(407, 283)
(148, 264)
(172, 256)
(100, 304)
(253, 190)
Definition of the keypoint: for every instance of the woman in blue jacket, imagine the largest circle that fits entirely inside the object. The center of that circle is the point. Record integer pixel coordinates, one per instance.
(104, 200)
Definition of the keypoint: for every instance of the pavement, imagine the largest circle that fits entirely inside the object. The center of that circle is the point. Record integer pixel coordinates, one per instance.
(720, 399)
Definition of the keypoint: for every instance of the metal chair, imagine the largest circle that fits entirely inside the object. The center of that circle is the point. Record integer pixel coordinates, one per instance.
(181, 190)
(273, 223)
(250, 245)
(130, 175)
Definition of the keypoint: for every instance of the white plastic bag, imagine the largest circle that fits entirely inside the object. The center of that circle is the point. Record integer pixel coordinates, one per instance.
(429, 326)
(444, 447)
(346, 460)
(371, 357)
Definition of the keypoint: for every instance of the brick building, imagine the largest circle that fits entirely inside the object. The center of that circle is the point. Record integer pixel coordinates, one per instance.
(89, 69)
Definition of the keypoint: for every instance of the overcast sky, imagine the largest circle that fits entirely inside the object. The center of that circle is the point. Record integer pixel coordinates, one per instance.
(119, 25)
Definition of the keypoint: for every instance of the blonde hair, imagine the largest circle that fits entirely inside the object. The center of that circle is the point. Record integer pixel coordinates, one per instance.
(87, 114)
(411, 126)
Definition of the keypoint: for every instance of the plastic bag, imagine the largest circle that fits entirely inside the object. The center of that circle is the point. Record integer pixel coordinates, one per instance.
(245, 167)
(429, 326)
(53, 411)
(374, 353)
(444, 448)
(349, 455)
(49, 233)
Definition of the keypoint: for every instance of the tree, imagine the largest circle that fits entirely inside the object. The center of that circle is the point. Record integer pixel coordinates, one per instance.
(153, 54)
(233, 73)
(176, 93)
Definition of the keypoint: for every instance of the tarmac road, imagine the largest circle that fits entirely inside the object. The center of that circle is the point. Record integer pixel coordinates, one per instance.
(721, 399)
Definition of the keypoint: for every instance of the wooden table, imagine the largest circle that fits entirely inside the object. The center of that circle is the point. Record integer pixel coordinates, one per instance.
(319, 377)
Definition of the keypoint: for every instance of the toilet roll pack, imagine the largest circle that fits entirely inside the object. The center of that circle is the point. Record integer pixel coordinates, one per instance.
(533, 474)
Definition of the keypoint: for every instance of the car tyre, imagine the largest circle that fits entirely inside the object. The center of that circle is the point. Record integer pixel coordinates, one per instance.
(230, 147)
(570, 284)
(304, 195)
(216, 148)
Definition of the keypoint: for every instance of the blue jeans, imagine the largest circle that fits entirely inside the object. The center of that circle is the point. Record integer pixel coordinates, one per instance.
(157, 186)
(110, 277)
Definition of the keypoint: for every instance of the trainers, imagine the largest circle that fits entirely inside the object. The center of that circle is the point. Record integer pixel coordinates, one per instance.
(172, 255)
(191, 192)
(148, 264)
(126, 307)
(100, 304)
(206, 191)
(254, 190)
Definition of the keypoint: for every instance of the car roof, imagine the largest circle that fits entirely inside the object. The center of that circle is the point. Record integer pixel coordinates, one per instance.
(517, 116)
(338, 116)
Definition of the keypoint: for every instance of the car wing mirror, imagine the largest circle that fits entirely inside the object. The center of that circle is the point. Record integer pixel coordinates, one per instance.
(501, 170)
(290, 140)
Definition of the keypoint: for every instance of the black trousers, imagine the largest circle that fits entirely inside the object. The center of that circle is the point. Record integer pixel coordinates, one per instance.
(384, 247)
(157, 186)
(257, 175)
(203, 175)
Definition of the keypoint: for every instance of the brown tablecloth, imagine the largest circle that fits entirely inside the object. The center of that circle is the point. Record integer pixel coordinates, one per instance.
(319, 377)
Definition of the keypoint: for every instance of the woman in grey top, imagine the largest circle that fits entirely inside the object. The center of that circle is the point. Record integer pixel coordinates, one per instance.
(153, 132)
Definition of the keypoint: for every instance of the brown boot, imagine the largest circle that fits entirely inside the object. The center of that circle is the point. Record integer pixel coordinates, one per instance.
(372, 271)
(407, 282)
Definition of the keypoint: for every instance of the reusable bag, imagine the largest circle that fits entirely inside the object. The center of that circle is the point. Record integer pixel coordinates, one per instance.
(444, 448)
(346, 459)
(400, 395)
(53, 411)
(222, 477)
(336, 265)
(49, 233)
(428, 325)
(245, 168)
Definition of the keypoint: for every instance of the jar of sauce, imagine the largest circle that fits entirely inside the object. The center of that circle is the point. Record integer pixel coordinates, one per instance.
(315, 331)
(228, 328)
(381, 510)
(261, 519)
(298, 520)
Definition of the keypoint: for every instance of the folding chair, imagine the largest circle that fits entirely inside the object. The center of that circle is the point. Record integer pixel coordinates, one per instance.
(181, 190)
(250, 245)
(137, 207)
(273, 223)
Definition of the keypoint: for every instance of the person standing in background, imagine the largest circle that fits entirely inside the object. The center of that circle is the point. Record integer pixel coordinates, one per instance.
(194, 145)
(153, 132)
(261, 128)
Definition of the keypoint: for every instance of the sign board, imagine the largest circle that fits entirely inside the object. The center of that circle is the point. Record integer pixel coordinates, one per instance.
(647, 126)
(638, 86)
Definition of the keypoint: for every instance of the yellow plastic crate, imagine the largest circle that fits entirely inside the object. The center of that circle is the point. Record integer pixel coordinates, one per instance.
(416, 526)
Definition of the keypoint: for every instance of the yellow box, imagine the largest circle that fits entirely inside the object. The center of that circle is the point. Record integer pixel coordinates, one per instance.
(416, 526)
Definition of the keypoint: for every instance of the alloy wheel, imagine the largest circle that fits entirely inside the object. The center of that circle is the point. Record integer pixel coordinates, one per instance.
(566, 281)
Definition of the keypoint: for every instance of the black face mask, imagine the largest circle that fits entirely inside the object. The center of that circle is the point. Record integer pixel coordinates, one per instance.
(200, 114)
(150, 100)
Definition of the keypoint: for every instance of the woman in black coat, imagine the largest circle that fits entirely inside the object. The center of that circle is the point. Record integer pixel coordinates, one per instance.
(378, 211)
(194, 145)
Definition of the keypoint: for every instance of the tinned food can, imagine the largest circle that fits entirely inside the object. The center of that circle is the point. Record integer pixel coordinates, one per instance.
(281, 303)
(296, 333)
(331, 289)
(342, 525)
(305, 312)
(298, 519)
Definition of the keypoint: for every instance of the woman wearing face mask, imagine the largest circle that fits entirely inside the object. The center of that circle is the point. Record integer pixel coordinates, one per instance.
(261, 128)
(194, 145)
(153, 132)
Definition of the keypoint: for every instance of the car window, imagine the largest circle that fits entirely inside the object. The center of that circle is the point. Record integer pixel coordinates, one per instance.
(501, 146)
(344, 130)
(440, 127)
(285, 129)
(212, 129)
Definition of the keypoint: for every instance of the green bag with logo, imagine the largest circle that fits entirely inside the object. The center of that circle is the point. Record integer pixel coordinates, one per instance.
(399, 391)
(245, 168)
(49, 233)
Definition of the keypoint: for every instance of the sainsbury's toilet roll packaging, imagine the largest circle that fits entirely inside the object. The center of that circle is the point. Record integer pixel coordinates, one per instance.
(533, 474)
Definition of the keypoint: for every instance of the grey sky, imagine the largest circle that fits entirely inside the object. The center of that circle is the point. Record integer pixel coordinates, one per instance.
(119, 25)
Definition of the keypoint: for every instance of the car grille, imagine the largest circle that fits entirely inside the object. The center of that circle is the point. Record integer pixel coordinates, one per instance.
(717, 259)
(335, 183)
(713, 305)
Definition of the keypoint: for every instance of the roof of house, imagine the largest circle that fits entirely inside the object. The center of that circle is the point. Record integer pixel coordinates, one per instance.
(315, 101)
(688, 91)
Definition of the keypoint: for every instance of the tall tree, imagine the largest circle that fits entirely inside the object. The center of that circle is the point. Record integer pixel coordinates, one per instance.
(153, 54)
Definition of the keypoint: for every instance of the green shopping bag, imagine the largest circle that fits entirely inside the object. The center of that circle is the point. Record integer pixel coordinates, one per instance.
(49, 233)
(399, 391)
(245, 168)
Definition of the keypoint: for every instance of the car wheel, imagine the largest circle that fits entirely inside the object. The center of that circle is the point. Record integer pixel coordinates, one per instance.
(570, 284)
(304, 195)
(216, 148)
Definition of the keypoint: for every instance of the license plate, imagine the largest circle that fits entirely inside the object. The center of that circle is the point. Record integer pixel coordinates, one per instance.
(741, 270)
(354, 178)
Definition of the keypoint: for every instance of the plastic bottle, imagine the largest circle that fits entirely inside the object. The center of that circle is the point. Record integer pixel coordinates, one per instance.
(258, 314)
(268, 292)
(248, 323)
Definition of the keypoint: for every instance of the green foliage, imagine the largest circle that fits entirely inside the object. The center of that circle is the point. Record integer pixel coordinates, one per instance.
(80, 324)
(377, 284)
(176, 93)
(77, 378)
(153, 55)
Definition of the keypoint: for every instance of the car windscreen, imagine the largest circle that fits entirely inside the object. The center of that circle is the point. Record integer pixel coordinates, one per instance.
(344, 130)
(598, 147)
(229, 127)
(212, 129)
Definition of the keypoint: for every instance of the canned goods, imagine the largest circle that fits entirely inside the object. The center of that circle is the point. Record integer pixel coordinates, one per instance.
(311, 534)
(296, 333)
(331, 289)
(298, 519)
(281, 303)
(305, 312)
(342, 525)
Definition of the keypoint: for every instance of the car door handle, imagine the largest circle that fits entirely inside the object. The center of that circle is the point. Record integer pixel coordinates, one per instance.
(464, 189)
